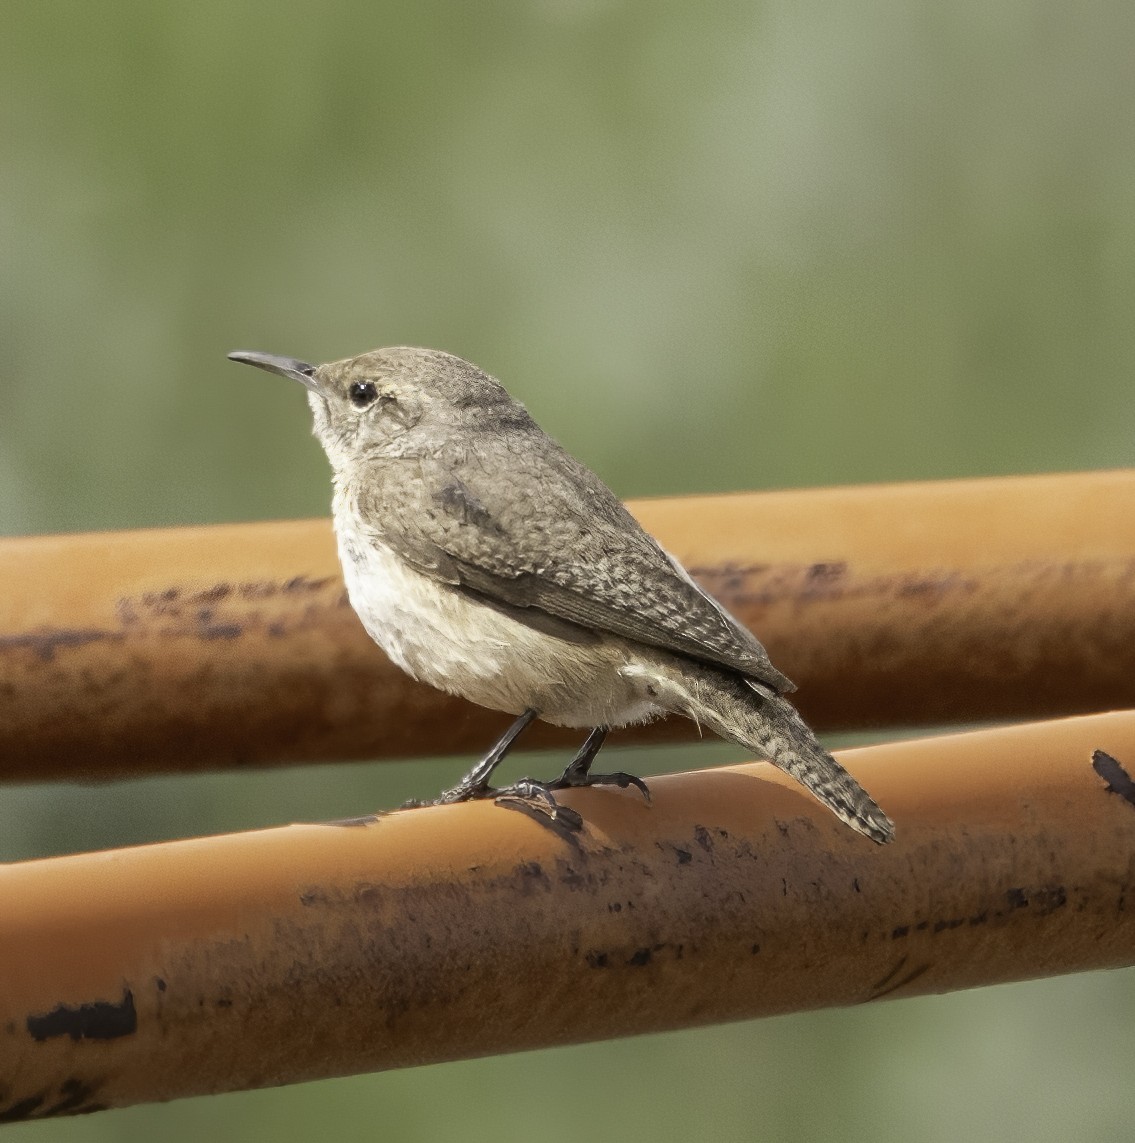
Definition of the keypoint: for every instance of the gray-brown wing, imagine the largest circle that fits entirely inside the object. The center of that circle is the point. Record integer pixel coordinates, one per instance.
(536, 530)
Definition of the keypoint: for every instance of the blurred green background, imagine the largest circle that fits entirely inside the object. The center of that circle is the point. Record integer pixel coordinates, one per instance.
(724, 246)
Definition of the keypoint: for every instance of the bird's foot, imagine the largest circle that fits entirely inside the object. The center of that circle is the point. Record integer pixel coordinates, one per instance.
(574, 778)
(464, 791)
(537, 800)
(577, 773)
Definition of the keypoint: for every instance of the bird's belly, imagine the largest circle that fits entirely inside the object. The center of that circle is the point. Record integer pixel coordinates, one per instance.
(450, 640)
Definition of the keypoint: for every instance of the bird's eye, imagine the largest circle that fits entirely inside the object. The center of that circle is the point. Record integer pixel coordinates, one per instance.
(362, 393)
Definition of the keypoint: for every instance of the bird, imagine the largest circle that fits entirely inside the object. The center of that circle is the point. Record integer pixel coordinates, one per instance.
(488, 562)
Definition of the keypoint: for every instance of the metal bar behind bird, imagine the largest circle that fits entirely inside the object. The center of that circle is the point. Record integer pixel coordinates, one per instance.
(911, 604)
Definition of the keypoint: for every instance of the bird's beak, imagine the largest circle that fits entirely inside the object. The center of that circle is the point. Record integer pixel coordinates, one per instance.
(286, 366)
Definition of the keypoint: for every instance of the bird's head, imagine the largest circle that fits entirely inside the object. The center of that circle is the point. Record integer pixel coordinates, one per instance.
(392, 402)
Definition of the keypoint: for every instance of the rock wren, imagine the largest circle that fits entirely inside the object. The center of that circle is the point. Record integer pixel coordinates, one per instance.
(488, 562)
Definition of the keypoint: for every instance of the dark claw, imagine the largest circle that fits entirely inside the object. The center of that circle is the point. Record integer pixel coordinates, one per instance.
(567, 823)
(570, 780)
(536, 799)
(531, 790)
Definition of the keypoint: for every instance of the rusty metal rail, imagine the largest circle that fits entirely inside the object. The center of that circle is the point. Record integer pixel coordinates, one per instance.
(318, 950)
(897, 605)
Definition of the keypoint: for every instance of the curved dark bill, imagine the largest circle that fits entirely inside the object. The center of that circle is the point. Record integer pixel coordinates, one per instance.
(285, 366)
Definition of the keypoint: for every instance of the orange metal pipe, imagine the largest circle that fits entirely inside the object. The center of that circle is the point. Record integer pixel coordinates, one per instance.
(318, 950)
(905, 604)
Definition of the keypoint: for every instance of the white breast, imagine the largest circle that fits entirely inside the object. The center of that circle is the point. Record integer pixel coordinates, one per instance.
(451, 641)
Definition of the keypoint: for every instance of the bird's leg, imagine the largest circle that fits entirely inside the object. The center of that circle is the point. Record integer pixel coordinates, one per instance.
(578, 770)
(528, 794)
(475, 784)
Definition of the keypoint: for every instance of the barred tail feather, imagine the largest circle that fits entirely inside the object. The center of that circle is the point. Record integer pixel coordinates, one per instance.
(787, 741)
(756, 718)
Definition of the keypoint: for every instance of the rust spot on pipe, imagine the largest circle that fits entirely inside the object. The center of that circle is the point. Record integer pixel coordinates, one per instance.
(893, 981)
(45, 643)
(73, 1097)
(98, 1020)
(1117, 779)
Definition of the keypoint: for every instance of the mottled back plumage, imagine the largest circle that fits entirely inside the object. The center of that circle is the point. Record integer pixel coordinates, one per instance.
(551, 539)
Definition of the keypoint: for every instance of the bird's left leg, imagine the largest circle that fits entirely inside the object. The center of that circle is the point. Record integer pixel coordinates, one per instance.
(475, 784)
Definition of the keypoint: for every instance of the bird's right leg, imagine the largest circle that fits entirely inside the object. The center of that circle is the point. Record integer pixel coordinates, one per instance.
(578, 771)
(475, 784)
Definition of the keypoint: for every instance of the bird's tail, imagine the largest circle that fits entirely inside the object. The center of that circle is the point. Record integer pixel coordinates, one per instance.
(767, 724)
